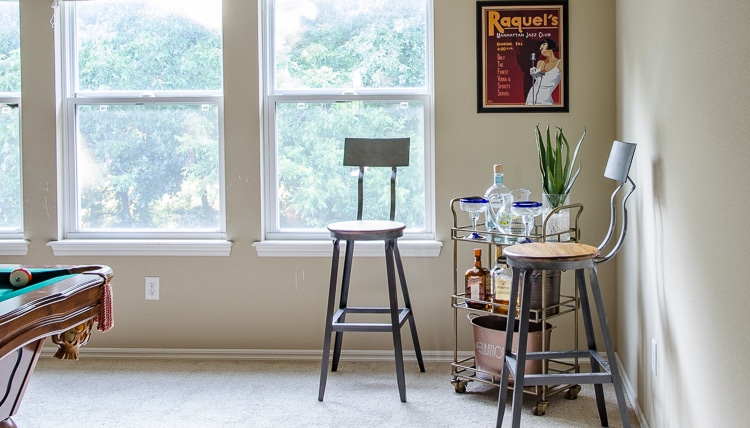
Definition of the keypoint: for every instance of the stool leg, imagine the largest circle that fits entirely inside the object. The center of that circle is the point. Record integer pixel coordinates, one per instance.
(395, 328)
(407, 304)
(591, 342)
(523, 336)
(329, 320)
(611, 359)
(510, 326)
(343, 301)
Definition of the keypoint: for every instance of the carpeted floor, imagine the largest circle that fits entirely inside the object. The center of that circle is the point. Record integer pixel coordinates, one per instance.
(247, 393)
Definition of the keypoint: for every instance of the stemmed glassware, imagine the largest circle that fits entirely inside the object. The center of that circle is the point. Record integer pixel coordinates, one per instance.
(527, 210)
(474, 207)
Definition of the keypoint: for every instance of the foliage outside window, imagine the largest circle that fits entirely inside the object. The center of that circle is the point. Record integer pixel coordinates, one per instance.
(337, 69)
(11, 206)
(143, 108)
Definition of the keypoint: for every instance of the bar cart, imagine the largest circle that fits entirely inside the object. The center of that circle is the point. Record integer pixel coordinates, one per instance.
(464, 370)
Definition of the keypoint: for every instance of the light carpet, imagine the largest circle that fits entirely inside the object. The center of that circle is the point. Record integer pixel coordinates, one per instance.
(248, 393)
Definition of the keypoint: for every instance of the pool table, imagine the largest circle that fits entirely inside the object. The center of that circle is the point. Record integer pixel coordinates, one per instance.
(61, 302)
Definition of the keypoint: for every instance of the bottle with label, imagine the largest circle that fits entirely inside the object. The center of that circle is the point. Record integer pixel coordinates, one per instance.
(499, 198)
(477, 280)
(501, 277)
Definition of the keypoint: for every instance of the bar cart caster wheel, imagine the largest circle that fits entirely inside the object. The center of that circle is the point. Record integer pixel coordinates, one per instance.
(572, 393)
(541, 408)
(459, 385)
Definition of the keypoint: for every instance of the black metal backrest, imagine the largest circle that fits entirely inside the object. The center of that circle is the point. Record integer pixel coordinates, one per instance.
(618, 168)
(376, 152)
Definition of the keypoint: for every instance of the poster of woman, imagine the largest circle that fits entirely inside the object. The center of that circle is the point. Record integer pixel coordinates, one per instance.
(521, 56)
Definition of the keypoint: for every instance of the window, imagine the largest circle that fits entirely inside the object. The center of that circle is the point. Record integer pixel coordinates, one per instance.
(142, 101)
(11, 200)
(335, 69)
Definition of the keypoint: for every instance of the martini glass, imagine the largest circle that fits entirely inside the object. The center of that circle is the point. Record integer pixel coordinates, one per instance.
(527, 210)
(474, 207)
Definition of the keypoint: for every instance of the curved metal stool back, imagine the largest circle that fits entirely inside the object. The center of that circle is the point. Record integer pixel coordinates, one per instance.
(364, 153)
(524, 259)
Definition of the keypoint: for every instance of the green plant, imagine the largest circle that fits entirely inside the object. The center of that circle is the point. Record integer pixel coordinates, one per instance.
(556, 165)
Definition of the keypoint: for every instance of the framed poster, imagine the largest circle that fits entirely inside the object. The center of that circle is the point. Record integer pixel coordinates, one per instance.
(522, 56)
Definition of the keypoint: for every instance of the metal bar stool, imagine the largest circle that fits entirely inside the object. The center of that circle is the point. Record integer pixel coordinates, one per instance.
(525, 258)
(363, 153)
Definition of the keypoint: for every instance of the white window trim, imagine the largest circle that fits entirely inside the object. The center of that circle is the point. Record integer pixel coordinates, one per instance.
(141, 247)
(14, 247)
(135, 243)
(272, 238)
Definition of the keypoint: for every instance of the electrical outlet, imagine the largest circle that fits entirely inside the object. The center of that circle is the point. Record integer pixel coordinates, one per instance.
(653, 356)
(152, 288)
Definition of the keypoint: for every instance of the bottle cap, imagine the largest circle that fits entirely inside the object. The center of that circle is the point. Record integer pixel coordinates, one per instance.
(477, 252)
(498, 168)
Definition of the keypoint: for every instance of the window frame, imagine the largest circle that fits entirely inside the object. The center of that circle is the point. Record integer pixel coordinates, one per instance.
(69, 100)
(12, 238)
(271, 96)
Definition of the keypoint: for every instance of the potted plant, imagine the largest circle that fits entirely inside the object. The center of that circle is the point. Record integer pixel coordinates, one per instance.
(559, 171)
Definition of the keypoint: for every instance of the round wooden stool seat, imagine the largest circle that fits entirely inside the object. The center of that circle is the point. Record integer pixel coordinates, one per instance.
(367, 230)
(551, 251)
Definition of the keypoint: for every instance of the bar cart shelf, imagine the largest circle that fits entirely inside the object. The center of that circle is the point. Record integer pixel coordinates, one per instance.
(464, 370)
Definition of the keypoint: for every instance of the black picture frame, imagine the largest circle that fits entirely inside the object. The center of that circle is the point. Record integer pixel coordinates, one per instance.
(510, 39)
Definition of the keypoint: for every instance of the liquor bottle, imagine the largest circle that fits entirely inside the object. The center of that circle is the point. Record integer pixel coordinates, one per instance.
(501, 277)
(477, 281)
(496, 203)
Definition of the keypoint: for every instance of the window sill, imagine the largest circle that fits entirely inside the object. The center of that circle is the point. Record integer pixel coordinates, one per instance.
(141, 247)
(280, 248)
(14, 247)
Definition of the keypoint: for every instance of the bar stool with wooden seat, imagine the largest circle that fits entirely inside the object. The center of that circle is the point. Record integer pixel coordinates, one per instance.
(525, 258)
(364, 153)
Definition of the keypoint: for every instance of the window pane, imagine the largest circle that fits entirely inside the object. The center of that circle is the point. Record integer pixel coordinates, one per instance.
(314, 189)
(349, 44)
(146, 45)
(148, 167)
(10, 170)
(10, 48)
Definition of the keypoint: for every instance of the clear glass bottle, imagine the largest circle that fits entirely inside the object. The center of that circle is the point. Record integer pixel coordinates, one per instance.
(477, 280)
(501, 277)
(497, 188)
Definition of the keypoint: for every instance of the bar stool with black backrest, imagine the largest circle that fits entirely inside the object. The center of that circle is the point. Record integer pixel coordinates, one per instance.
(525, 258)
(362, 153)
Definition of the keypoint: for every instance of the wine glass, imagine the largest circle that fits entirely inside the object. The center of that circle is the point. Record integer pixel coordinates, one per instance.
(474, 207)
(527, 210)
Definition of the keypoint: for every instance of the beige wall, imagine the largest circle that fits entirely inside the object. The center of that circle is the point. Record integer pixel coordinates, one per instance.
(682, 96)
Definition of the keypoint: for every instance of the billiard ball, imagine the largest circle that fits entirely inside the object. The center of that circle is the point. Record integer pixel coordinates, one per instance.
(20, 277)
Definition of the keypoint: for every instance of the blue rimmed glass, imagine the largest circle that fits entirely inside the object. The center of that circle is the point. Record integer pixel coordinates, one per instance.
(474, 207)
(527, 210)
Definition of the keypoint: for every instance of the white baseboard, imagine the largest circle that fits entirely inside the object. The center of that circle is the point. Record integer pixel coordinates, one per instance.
(632, 395)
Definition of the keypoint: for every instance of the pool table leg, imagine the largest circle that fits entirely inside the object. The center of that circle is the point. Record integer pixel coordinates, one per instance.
(7, 423)
(15, 372)
(70, 341)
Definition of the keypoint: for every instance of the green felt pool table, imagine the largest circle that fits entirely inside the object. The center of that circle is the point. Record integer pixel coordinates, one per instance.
(61, 302)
